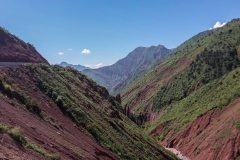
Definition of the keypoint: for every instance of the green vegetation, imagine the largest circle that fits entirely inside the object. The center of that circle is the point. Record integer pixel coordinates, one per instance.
(19, 138)
(15, 133)
(199, 60)
(159, 74)
(95, 111)
(217, 93)
(42, 152)
(237, 124)
(208, 66)
(8, 90)
(218, 58)
(201, 74)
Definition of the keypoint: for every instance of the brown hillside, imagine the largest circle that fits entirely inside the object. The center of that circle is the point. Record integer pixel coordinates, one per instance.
(67, 116)
(55, 133)
(214, 135)
(13, 49)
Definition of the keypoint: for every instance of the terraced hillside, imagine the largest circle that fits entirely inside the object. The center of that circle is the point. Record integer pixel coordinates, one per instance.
(190, 101)
(49, 112)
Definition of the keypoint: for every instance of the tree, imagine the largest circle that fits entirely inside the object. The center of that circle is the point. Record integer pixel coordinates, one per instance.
(118, 98)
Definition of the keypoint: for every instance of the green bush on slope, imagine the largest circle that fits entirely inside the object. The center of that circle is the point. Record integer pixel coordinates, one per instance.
(8, 90)
(19, 138)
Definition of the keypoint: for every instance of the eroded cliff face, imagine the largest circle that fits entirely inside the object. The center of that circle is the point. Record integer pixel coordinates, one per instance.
(214, 135)
(13, 49)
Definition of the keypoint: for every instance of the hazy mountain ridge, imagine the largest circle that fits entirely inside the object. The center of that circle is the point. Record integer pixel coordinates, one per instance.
(75, 66)
(137, 61)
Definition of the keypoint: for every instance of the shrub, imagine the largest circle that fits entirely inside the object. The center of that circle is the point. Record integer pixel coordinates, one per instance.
(19, 138)
(95, 133)
(34, 108)
(118, 98)
(3, 128)
(15, 133)
(43, 152)
(237, 124)
(11, 93)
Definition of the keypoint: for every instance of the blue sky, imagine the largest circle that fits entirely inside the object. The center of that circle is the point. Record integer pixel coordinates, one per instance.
(107, 30)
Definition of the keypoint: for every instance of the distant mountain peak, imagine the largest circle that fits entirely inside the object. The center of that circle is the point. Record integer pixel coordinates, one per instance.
(75, 66)
(136, 62)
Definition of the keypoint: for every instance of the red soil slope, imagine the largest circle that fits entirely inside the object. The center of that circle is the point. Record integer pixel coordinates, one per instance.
(13, 49)
(68, 140)
(213, 136)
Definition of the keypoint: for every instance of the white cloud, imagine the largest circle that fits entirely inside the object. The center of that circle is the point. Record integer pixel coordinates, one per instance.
(94, 66)
(87, 65)
(69, 49)
(60, 53)
(86, 51)
(218, 25)
(99, 65)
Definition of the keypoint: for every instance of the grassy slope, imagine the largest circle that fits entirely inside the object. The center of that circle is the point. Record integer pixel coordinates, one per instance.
(210, 80)
(90, 107)
(161, 73)
(177, 64)
(218, 58)
(218, 93)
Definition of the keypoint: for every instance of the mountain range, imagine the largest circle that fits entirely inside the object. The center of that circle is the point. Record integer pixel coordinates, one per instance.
(51, 112)
(77, 67)
(116, 76)
(190, 101)
(181, 103)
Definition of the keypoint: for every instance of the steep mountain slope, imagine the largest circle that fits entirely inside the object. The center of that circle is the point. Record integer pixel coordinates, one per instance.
(13, 49)
(222, 143)
(77, 67)
(190, 100)
(52, 113)
(202, 47)
(211, 113)
(116, 76)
